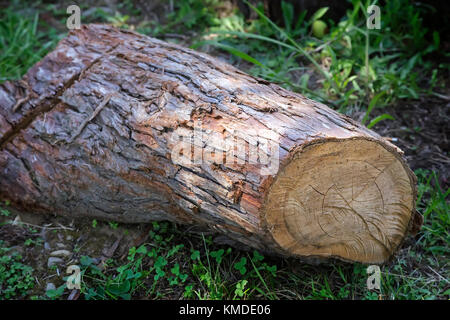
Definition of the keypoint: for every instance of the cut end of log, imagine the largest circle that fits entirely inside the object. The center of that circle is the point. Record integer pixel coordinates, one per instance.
(358, 209)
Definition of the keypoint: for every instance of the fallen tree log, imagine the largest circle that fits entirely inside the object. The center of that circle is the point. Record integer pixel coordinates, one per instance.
(119, 126)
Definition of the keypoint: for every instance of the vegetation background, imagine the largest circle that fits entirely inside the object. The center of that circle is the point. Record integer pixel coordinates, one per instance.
(393, 79)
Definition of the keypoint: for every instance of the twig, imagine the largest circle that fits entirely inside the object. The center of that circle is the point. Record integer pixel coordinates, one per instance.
(93, 115)
(443, 97)
(21, 101)
(19, 223)
(441, 277)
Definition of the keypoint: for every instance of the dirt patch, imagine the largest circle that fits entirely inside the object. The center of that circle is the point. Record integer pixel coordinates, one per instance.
(50, 243)
(421, 129)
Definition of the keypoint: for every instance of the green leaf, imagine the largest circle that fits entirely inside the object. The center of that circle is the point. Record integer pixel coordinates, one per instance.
(160, 262)
(86, 261)
(292, 41)
(183, 277)
(142, 250)
(288, 14)
(257, 256)
(374, 121)
(372, 105)
(119, 288)
(174, 250)
(319, 14)
(240, 286)
(159, 274)
(195, 255)
(55, 293)
(241, 265)
(176, 269)
(217, 255)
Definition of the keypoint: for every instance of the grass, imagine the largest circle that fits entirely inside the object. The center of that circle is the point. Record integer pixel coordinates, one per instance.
(15, 277)
(22, 44)
(166, 267)
(174, 265)
(350, 68)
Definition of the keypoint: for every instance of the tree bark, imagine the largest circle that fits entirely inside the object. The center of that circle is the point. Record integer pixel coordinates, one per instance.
(119, 126)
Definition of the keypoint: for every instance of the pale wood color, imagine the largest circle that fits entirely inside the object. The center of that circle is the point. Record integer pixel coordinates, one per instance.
(88, 132)
(341, 198)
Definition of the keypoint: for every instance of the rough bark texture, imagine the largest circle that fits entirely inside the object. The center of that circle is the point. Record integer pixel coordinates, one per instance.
(89, 131)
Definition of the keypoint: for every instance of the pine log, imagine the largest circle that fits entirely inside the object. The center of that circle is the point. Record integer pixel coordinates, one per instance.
(118, 126)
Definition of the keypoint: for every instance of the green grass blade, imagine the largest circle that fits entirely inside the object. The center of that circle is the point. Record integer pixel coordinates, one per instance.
(384, 116)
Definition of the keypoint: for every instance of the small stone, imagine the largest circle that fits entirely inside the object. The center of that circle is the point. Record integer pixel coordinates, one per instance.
(61, 253)
(50, 286)
(69, 238)
(60, 245)
(47, 246)
(16, 221)
(54, 261)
